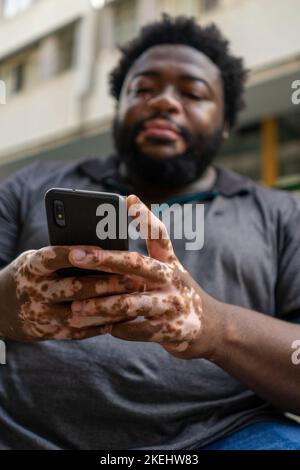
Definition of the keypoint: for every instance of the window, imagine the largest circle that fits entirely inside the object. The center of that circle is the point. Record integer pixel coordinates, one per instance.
(13, 78)
(13, 7)
(66, 42)
(29, 68)
(18, 73)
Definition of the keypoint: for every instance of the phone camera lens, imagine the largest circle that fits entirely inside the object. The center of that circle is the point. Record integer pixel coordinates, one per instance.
(59, 213)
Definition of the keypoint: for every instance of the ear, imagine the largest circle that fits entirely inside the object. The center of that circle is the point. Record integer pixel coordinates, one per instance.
(226, 130)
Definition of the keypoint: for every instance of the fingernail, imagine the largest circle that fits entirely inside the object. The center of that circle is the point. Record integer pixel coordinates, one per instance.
(78, 255)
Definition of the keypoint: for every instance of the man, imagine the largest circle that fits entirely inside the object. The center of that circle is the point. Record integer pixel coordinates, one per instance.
(211, 358)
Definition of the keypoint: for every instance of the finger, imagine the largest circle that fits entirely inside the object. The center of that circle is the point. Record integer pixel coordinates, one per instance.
(86, 287)
(135, 304)
(91, 313)
(144, 330)
(139, 330)
(45, 314)
(153, 230)
(36, 332)
(176, 347)
(77, 334)
(122, 307)
(58, 317)
(49, 259)
(54, 319)
(122, 262)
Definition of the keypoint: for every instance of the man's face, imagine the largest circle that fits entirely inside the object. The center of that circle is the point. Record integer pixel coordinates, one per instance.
(170, 118)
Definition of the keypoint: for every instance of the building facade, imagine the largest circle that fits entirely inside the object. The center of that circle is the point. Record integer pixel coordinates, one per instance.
(55, 57)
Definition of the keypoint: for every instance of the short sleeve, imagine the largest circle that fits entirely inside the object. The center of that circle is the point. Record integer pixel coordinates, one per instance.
(288, 278)
(12, 192)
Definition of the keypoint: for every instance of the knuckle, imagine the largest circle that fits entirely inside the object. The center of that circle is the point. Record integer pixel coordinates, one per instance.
(30, 290)
(127, 303)
(34, 312)
(122, 305)
(114, 284)
(136, 259)
(176, 302)
(91, 306)
(70, 287)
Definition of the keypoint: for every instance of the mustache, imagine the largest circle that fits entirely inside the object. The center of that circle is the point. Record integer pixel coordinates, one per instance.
(176, 172)
(134, 130)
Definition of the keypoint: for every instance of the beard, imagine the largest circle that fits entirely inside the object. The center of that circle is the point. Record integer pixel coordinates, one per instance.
(173, 172)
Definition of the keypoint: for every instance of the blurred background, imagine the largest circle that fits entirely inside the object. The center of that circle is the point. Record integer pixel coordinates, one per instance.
(55, 57)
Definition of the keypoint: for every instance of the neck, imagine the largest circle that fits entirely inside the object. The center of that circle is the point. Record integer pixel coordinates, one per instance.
(153, 195)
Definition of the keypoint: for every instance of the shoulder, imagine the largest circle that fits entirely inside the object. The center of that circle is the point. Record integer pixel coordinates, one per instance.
(271, 201)
(282, 205)
(43, 174)
(37, 172)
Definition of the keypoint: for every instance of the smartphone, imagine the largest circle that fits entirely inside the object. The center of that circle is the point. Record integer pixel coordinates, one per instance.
(79, 217)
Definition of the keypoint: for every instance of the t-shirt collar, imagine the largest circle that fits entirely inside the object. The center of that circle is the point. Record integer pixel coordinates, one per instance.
(107, 171)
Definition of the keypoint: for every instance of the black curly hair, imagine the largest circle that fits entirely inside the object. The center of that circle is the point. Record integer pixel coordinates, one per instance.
(185, 31)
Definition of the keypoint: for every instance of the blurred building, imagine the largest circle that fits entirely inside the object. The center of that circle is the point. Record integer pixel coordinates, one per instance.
(55, 56)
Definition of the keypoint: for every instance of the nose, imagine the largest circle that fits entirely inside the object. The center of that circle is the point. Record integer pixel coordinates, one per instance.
(166, 102)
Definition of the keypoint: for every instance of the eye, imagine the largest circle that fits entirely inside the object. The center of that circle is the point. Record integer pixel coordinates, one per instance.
(144, 90)
(193, 96)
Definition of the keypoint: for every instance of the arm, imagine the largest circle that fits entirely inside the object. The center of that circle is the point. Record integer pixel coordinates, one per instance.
(257, 350)
(34, 300)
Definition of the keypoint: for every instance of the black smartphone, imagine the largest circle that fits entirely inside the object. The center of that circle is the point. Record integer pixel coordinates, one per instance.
(79, 217)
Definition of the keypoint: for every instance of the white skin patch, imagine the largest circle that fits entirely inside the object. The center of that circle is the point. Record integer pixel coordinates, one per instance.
(155, 287)
(42, 305)
(171, 304)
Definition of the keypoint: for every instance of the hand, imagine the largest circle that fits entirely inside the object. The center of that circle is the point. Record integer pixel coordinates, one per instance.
(171, 303)
(36, 302)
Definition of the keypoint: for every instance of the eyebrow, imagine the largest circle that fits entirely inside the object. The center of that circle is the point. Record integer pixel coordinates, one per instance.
(187, 77)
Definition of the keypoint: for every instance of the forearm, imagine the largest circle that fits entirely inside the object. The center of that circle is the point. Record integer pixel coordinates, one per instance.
(257, 350)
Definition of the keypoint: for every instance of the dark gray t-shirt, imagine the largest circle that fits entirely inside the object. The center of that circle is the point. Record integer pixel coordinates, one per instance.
(104, 393)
